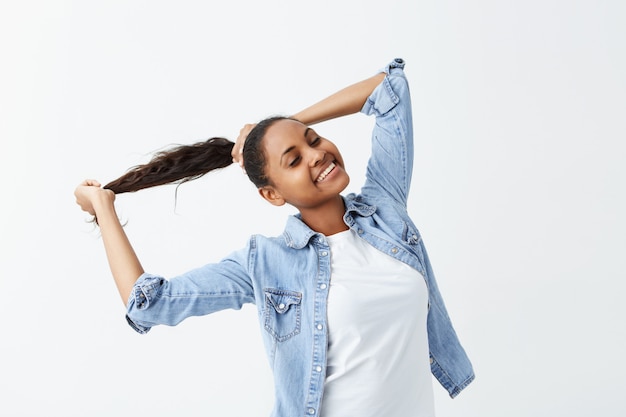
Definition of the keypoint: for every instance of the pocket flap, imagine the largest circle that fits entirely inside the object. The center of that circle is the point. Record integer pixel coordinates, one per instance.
(281, 300)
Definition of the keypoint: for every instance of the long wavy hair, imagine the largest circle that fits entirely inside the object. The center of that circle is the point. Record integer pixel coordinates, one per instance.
(184, 163)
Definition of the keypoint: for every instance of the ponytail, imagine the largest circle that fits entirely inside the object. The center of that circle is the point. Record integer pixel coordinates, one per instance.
(177, 165)
(184, 163)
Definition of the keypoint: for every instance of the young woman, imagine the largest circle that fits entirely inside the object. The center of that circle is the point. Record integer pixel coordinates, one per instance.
(353, 321)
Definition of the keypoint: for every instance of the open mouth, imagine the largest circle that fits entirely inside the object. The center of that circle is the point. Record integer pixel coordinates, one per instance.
(326, 172)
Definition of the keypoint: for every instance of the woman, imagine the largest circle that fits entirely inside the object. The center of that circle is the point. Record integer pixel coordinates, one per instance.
(353, 320)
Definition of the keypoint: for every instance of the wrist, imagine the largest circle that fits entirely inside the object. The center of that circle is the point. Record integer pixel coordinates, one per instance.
(103, 202)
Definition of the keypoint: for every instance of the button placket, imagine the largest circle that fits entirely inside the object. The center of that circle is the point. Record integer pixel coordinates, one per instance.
(320, 336)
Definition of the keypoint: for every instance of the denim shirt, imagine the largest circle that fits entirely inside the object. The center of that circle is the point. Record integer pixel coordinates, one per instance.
(288, 277)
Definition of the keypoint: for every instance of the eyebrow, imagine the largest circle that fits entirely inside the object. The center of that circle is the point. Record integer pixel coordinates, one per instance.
(291, 148)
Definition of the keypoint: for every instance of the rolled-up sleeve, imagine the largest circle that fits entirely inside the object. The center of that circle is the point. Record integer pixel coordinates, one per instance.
(390, 167)
(155, 300)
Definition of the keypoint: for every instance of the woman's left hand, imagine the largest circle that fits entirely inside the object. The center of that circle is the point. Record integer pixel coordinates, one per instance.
(237, 151)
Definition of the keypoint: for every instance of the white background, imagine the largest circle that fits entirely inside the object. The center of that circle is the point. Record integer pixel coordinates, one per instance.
(519, 189)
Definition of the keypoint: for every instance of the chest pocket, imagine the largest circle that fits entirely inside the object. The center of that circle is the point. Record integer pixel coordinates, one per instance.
(282, 313)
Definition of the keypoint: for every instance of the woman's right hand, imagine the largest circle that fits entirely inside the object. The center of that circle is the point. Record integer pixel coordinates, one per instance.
(123, 261)
(89, 194)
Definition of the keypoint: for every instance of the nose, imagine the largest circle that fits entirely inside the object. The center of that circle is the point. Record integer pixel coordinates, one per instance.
(317, 157)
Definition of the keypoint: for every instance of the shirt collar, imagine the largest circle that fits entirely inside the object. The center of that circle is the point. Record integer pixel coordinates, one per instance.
(297, 234)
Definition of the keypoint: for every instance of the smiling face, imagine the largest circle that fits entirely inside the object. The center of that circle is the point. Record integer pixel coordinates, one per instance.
(304, 169)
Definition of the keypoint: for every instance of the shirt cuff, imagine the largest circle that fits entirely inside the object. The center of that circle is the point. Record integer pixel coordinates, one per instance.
(382, 99)
(146, 291)
(396, 63)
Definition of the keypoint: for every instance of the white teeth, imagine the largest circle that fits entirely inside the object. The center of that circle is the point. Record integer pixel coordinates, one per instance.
(326, 172)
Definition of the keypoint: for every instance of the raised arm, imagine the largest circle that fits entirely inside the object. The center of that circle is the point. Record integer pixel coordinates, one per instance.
(123, 261)
(344, 102)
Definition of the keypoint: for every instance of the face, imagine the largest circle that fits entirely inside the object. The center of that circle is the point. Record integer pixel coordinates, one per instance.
(305, 169)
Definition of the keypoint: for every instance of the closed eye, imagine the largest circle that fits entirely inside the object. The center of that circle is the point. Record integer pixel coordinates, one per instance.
(295, 161)
(315, 141)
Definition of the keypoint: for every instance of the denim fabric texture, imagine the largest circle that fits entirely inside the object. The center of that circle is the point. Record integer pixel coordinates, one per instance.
(288, 276)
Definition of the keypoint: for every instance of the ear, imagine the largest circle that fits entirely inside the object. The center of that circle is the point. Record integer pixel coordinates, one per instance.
(270, 194)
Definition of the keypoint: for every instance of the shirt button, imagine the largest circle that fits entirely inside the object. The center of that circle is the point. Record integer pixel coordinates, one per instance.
(394, 250)
(281, 306)
(324, 253)
(431, 360)
(311, 411)
(318, 368)
(320, 327)
(323, 286)
(360, 231)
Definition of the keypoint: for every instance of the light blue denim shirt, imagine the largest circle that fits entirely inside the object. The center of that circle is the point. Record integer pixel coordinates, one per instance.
(288, 277)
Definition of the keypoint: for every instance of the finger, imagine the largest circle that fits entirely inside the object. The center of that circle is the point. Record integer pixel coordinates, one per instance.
(241, 140)
(90, 182)
(236, 152)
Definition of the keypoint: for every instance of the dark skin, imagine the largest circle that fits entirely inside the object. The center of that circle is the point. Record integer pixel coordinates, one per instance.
(307, 171)
(322, 210)
(321, 207)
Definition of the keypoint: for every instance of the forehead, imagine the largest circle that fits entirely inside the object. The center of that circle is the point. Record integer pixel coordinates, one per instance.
(282, 135)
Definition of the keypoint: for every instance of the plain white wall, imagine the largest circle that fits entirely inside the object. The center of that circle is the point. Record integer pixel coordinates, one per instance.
(518, 189)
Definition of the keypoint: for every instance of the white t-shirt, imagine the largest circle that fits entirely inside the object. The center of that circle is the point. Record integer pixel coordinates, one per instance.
(378, 360)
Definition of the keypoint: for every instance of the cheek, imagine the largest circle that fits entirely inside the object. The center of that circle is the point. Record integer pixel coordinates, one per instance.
(292, 182)
(339, 158)
(332, 148)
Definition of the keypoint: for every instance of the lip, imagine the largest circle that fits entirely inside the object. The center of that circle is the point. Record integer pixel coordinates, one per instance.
(325, 172)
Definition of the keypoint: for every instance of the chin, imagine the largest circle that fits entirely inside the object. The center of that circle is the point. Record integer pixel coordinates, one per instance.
(345, 185)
